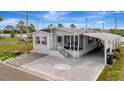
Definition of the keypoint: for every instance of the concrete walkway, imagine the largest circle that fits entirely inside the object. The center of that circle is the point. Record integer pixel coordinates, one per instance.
(86, 68)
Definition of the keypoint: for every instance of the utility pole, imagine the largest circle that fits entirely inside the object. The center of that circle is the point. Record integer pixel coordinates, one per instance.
(86, 24)
(103, 25)
(27, 31)
(36, 25)
(115, 25)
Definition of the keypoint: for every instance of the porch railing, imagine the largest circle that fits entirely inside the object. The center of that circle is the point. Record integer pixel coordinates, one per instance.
(64, 52)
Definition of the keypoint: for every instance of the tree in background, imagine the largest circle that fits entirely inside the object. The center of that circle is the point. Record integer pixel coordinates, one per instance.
(51, 25)
(31, 28)
(60, 25)
(118, 32)
(1, 18)
(9, 28)
(72, 26)
(21, 28)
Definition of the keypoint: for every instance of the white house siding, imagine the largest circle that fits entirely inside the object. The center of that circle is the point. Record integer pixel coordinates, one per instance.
(54, 39)
(3, 36)
(122, 39)
(87, 47)
(74, 53)
(39, 48)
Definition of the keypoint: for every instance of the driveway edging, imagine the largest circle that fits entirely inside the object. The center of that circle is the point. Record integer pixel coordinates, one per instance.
(99, 73)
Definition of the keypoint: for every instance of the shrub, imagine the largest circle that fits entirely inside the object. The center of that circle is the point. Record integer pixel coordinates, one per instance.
(12, 34)
(16, 53)
(116, 55)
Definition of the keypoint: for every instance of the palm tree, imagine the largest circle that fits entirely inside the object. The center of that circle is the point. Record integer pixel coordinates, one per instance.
(51, 25)
(60, 25)
(72, 26)
(21, 27)
(31, 28)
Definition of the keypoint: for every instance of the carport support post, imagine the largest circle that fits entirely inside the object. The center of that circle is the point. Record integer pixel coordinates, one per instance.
(78, 42)
(105, 55)
(70, 42)
(63, 41)
(55, 43)
(51, 37)
(74, 45)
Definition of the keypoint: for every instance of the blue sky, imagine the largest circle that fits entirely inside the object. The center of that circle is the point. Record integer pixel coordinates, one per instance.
(44, 18)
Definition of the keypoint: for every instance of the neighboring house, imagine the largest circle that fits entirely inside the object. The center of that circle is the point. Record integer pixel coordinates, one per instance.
(23, 36)
(4, 36)
(73, 43)
(122, 39)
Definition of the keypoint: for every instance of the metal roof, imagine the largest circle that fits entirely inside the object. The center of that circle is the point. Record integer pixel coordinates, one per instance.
(89, 32)
(69, 30)
(103, 36)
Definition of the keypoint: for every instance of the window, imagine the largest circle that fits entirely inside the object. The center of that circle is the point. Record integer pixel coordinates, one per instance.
(59, 39)
(90, 40)
(44, 40)
(37, 38)
(96, 39)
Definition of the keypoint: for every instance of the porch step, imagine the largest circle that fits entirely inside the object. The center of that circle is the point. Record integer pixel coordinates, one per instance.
(56, 53)
(65, 53)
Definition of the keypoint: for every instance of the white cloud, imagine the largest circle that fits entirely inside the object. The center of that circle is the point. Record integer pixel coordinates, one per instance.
(103, 12)
(53, 16)
(118, 12)
(110, 12)
(100, 22)
(11, 21)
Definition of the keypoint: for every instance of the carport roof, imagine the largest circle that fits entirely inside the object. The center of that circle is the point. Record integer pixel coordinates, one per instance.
(103, 36)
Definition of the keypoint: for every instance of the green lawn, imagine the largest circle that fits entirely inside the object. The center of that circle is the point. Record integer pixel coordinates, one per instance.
(116, 72)
(10, 45)
(8, 41)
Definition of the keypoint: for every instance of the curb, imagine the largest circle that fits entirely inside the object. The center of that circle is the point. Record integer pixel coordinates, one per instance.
(47, 79)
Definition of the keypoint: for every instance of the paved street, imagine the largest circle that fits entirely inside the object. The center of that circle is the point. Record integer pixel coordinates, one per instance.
(8, 73)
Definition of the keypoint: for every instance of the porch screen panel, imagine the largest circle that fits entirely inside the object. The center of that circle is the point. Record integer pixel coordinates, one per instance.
(81, 42)
(67, 42)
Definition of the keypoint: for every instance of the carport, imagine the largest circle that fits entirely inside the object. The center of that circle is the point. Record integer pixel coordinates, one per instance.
(111, 41)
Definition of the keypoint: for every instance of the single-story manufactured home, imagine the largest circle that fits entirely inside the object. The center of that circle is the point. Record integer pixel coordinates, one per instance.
(73, 43)
(4, 36)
